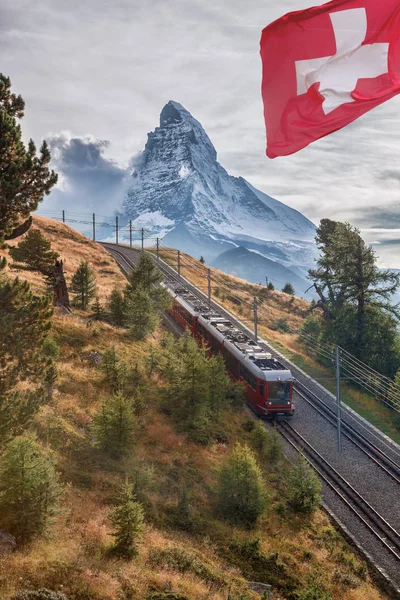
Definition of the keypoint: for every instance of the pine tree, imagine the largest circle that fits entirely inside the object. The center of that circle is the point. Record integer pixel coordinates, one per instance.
(24, 177)
(117, 307)
(29, 488)
(83, 285)
(241, 490)
(219, 385)
(303, 487)
(270, 286)
(260, 438)
(25, 321)
(128, 520)
(115, 369)
(288, 289)
(145, 276)
(351, 288)
(34, 253)
(98, 313)
(201, 259)
(114, 424)
(141, 317)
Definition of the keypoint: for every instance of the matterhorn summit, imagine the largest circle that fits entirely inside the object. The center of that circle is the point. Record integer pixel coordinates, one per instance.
(181, 193)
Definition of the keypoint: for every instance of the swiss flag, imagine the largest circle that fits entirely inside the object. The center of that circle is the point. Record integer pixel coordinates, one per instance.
(326, 66)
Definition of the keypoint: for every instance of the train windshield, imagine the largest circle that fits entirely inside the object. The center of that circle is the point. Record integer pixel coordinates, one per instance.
(279, 392)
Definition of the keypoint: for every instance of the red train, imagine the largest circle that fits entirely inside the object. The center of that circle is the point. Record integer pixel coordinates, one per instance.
(268, 385)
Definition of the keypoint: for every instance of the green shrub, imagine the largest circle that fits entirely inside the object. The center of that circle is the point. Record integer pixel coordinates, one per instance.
(83, 285)
(115, 370)
(303, 487)
(249, 425)
(29, 488)
(241, 492)
(113, 426)
(260, 438)
(41, 594)
(116, 304)
(128, 520)
(275, 449)
(280, 325)
(288, 289)
(50, 348)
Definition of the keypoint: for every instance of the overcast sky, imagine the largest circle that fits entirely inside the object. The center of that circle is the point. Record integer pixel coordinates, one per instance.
(95, 75)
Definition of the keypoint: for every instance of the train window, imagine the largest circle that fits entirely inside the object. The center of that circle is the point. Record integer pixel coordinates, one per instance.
(279, 392)
(202, 331)
(184, 314)
(247, 376)
(261, 388)
(215, 345)
(231, 364)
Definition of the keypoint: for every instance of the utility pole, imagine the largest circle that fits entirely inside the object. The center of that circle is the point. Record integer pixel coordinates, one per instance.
(116, 230)
(255, 319)
(94, 227)
(338, 406)
(63, 216)
(158, 250)
(142, 239)
(179, 263)
(209, 286)
(266, 281)
(130, 234)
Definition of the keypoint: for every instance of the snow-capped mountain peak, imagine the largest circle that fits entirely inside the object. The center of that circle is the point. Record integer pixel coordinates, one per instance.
(180, 192)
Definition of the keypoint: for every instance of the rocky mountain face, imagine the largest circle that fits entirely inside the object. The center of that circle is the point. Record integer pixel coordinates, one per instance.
(182, 194)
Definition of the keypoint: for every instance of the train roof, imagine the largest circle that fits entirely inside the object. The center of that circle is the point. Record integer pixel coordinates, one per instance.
(257, 360)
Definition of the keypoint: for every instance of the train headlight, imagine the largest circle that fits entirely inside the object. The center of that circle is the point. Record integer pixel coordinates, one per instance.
(288, 402)
(270, 403)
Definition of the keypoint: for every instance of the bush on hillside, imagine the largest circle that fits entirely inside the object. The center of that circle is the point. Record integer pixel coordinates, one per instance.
(241, 492)
(34, 253)
(83, 285)
(288, 289)
(303, 487)
(29, 488)
(128, 520)
(117, 306)
(113, 426)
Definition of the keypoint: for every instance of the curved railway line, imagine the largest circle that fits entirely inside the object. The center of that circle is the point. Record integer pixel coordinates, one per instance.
(368, 528)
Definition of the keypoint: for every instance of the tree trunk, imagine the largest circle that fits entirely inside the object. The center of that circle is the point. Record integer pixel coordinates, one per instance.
(61, 297)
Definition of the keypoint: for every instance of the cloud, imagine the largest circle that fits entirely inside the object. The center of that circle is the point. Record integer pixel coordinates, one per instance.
(88, 181)
(114, 65)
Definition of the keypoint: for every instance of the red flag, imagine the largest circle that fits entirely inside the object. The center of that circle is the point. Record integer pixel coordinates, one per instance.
(326, 66)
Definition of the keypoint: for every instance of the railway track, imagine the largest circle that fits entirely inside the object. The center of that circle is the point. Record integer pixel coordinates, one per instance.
(377, 525)
(376, 454)
(362, 520)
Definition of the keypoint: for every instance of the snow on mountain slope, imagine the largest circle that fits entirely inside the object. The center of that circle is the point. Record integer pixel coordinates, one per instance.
(181, 192)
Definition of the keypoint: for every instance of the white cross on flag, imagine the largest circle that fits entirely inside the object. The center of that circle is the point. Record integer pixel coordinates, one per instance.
(326, 66)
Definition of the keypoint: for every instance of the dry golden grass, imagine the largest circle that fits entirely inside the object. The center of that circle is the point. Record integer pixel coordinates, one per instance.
(74, 555)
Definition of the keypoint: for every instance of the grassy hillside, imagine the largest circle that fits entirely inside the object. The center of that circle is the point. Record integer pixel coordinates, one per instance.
(297, 555)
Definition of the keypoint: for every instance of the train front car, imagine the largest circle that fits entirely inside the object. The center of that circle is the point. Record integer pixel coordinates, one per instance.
(279, 394)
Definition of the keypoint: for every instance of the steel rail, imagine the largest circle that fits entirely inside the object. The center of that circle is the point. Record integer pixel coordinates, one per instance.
(380, 528)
